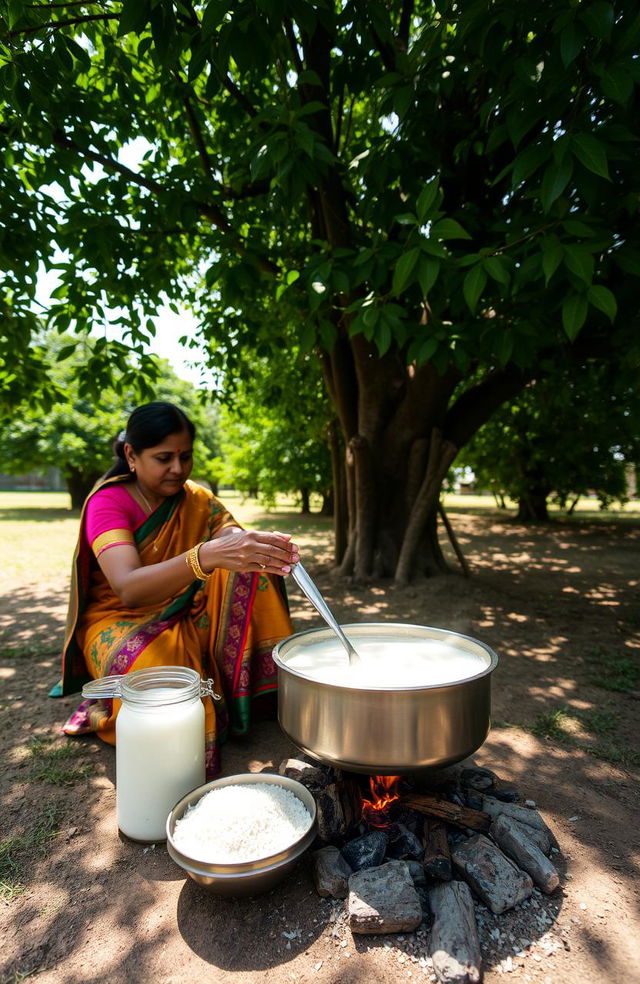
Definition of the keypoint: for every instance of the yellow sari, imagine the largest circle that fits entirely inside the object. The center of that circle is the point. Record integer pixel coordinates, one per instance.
(224, 627)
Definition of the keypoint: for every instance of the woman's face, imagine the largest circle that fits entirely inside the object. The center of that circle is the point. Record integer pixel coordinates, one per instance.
(163, 469)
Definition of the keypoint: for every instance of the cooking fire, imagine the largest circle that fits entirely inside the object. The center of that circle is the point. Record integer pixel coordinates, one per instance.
(384, 792)
(448, 853)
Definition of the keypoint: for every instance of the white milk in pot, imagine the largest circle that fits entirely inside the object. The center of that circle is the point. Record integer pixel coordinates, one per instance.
(160, 752)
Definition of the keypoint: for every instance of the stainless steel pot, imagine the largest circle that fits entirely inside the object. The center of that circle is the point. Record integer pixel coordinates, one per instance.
(390, 730)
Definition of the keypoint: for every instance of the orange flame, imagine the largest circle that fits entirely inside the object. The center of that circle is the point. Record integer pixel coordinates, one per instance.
(384, 793)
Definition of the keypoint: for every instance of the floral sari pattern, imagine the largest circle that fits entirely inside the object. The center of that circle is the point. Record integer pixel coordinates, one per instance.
(225, 627)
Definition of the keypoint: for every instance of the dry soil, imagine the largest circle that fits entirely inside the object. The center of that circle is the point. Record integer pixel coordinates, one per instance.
(560, 606)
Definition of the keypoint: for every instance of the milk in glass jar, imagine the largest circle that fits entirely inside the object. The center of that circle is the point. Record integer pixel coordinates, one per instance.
(160, 752)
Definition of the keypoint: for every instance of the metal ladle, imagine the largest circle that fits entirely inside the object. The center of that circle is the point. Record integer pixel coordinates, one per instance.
(307, 584)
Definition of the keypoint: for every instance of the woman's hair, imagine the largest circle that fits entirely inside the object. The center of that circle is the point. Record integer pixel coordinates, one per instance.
(147, 427)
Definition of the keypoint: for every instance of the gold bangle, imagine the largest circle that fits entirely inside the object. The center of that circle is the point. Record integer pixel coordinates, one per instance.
(193, 561)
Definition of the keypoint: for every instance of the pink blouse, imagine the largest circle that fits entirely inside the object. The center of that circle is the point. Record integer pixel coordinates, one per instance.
(111, 517)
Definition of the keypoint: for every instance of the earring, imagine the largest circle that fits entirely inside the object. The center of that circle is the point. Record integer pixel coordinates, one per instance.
(133, 468)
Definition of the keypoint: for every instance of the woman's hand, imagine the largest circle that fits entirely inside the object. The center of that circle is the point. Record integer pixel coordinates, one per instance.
(249, 550)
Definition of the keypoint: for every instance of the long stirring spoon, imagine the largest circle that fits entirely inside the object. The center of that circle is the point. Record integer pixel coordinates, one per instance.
(307, 584)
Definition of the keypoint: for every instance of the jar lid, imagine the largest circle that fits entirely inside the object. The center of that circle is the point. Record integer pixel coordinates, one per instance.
(153, 685)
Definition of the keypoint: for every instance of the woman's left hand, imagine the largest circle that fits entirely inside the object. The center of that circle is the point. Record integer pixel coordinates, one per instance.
(250, 550)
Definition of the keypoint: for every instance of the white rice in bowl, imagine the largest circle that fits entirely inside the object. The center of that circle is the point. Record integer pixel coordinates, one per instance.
(235, 824)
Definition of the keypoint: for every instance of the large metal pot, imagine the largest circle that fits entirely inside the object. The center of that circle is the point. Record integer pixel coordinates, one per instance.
(386, 730)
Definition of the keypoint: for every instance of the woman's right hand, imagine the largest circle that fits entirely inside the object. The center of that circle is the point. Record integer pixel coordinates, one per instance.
(234, 549)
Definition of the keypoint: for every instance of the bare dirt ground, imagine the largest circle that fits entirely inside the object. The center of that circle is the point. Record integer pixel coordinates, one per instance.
(558, 604)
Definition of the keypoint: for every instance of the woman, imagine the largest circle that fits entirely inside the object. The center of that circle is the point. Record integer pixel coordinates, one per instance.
(163, 575)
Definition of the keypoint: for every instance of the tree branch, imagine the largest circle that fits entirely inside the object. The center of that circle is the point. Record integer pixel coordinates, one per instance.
(198, 138)
(405, 25)
(206, 209)
(62, 23)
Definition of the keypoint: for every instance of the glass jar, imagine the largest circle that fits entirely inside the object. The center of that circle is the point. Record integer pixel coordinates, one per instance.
(159, 743)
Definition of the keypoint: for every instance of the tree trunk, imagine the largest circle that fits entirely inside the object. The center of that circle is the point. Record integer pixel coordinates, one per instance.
(327, 507)
(532, 505)
(79, 484)
(305, 506)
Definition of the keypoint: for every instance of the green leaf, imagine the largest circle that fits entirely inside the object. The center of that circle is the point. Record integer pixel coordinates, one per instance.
(603, 299)
(570, 44)
(617, 83)
(495, 267)
(307, 337)
(473, 285)
(574, 315)
(555, 180)
(428, 270)
(403, 270)
(382, 337)
(134, 16)
(449, 229)
(426, 350)
(528, 162)
(504, 347)
(591, 153)
(552, 254)
(580, 261)
(426, 198)
(407, 218)
(65, 352)
(574, 227)
(599, 19)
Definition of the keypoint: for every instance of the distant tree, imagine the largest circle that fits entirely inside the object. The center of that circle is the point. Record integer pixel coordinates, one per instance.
(76, 435)
(573, 433)
(275, 431)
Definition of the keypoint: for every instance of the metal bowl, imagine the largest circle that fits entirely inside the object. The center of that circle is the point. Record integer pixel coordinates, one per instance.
(248, 877)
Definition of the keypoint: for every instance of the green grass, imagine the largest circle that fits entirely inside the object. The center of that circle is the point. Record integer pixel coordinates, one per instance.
(18, 852)
(57, 766)
(615, 673)
(576, 728)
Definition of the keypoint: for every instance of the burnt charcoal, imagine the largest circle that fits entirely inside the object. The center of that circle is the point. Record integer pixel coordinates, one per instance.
(367, 851)
(437, 856)
(404, 816)
(404, 844)
(478, 778)
(457, 797)
(507, 794)
(417, 872)
(473, 799)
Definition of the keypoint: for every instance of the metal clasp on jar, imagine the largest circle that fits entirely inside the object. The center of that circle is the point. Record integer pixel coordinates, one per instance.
(206, 689)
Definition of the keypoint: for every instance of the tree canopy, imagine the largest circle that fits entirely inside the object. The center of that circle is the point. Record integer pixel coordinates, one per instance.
(434, 197)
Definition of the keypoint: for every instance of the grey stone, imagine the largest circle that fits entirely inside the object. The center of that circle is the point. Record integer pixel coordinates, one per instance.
(454, 944)
(383, 900)
(523, 814)
(541, 838)
(367, 851)
(508, 834)
(331, 873)
(491, 875)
